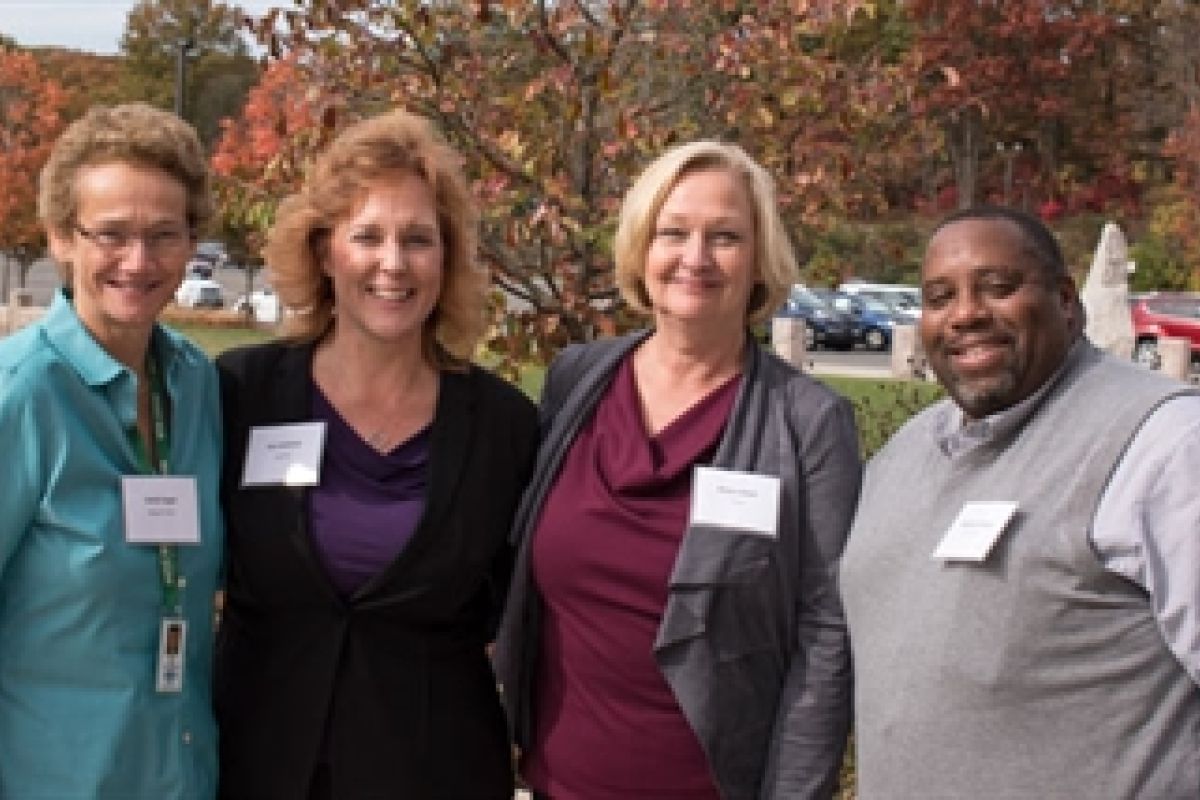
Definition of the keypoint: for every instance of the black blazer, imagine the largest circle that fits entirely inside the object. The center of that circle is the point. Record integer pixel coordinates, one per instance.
(397, 674)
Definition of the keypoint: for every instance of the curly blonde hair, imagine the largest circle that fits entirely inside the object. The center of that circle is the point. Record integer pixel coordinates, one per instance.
(130, 133)
(775, 263)
(363, 155)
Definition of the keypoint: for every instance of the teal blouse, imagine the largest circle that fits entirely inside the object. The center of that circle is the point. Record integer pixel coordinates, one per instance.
(80, 608)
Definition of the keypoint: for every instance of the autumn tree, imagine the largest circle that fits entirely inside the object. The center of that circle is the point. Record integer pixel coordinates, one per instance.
(261, 154)
(997, 75)
(219, 70)
(30, 119)
(1173, 230)
(555, 106)
(86, 78)
(818, 98)
(1156, 79)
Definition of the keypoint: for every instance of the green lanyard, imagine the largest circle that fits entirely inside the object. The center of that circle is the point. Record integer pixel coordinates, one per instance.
(168, 554)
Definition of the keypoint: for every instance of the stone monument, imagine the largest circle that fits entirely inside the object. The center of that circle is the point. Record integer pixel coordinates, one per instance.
(789, 339)
(908, 356)
(1105, 294)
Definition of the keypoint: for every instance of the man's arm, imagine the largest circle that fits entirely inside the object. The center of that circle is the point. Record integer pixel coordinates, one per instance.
(1147, 527)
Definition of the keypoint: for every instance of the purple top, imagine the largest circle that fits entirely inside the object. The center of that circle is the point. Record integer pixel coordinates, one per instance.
(368, 504)
(606, 724)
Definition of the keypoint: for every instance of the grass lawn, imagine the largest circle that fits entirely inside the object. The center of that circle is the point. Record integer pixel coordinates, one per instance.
(214, 339)
(880, 406)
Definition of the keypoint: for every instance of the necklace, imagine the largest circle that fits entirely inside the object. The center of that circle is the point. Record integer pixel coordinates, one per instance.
(381, 425)
(379, 439)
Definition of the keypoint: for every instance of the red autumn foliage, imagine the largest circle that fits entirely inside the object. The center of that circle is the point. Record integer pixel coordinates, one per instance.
(31, 117)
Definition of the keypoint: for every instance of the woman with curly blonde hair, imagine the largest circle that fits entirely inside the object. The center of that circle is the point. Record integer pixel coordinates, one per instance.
(351, 661)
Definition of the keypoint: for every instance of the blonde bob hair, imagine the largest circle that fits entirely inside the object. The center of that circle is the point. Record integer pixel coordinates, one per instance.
(775, 263)
(367, 154)
(131, 133)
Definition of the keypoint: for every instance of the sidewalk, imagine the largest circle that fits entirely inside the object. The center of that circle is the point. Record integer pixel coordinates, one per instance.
(849, 371)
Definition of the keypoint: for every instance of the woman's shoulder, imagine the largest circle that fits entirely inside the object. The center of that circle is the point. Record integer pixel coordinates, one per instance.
(180, 351)
(773, 371)
(26, 358)
(22, 351)
(493, 390)
(582, 355)
(253, 359)
(576, 362)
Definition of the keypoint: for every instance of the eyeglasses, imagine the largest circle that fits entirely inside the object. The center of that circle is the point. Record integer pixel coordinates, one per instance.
(162, 242)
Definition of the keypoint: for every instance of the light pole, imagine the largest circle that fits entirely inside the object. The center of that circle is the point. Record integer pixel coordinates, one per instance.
(6, 277)
(1008, 151)
(183, 49)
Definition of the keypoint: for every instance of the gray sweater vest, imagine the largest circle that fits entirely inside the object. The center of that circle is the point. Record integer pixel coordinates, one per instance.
(1036, 673)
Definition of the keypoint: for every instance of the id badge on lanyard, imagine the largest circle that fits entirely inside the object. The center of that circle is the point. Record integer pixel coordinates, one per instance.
(161, 510)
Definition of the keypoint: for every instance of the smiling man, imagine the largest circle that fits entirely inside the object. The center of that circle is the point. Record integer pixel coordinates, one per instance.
(1021, 580)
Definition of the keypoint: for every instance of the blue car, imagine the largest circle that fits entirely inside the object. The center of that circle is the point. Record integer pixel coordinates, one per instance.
(873, 319)
(824, 325)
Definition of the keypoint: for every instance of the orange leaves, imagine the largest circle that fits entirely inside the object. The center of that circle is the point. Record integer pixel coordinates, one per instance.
(276, 110)
(261, 155)
(628, 126)
(556, 107)
(1182, 223)
(510, 142)
(31, 117)
(1183, 145)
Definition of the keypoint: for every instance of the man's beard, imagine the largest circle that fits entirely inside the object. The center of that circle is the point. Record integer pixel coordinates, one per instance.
(982, 396)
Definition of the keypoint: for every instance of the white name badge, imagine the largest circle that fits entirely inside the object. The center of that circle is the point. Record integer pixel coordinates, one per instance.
(975, 530)
(160, 509)
(741, 501)
(284, 455)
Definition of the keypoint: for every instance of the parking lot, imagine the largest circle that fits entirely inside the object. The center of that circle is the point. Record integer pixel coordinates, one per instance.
(42, 280)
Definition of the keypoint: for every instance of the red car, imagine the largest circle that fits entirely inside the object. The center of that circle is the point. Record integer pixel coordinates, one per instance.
(1164, 314)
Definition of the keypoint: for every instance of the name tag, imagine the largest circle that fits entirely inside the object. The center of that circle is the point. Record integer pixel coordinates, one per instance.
(160, 509)
(741, 501)
(284, 455)
(975, 530)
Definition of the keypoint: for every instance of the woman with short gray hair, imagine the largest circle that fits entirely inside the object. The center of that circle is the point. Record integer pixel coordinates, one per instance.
(111, 536)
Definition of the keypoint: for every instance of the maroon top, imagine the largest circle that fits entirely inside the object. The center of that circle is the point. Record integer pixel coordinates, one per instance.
(368, 504)
(606, 723)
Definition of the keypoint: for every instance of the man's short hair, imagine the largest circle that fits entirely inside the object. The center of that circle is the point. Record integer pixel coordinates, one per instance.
(1038, 238)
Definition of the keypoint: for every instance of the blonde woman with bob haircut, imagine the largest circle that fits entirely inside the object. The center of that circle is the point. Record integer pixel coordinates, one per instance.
(774, 261)
(106, 637)
(661, 640)
(362, 596)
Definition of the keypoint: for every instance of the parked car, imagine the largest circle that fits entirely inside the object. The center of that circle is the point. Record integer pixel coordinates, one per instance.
(824, 325)
(199, 268)
(199, 293)
(1164, 314)
(212, 252)
(872, 319)
(905, 301)
(262, 304)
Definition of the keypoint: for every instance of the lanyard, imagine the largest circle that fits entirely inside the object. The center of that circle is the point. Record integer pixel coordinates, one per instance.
(168, 554)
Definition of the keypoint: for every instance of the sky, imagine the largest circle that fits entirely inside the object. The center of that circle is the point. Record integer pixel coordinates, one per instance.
(94, 26)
